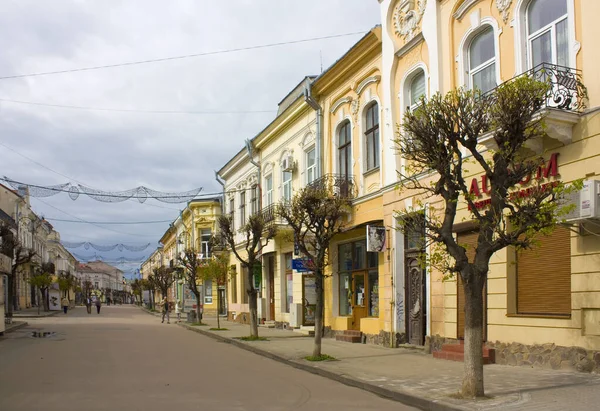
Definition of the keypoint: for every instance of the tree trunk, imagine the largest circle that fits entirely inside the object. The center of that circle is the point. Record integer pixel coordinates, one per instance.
(473, 369)
(218, 307)
(198, 309)
(252, 302)
(38, 297)
(319, 310)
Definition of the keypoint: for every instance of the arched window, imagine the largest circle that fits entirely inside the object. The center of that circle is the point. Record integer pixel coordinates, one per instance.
(344, 149)
(416, 89)
(482, 61)
(548, 32)
(372, 136)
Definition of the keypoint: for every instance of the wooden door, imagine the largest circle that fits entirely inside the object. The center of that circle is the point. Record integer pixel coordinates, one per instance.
(222, 302)
(271, 288)
(468, 239)
(359, 298)
(415, 300)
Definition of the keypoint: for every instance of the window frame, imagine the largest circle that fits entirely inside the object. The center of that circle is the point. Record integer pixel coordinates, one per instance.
(310, 169)
(471, 72)
(550, 27)
(372, 136)
(242, 207)
(346, 146)
(268, 190)
(286, 186)
(254, 199)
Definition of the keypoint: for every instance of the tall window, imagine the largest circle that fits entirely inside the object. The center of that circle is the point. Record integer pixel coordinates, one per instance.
(269, 190)
(416, 89)
(311, 166)
(287, 186)
(205, 236)
(254, 199)
(547, 32)
(345, 149)
(482, 61)
(372, 136)
(288, 286)
(232, 212)
(242, 208)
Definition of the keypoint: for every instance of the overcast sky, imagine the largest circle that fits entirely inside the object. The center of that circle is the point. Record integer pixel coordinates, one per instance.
(115, 151)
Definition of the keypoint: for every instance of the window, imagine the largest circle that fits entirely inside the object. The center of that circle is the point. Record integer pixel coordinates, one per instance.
(288, 286)
(208, 292)
(482, 61)
(254, 199)
(372, 136)
(311, 166)
(205, 236)
(547, 32)
(269, 190)
(242, 208)
(416, 89)
(287, 186)
(232, 212)
(344, 149)
(243, 285)
(358, 278)
(234, 294)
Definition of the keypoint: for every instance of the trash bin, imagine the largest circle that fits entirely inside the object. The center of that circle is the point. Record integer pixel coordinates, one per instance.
(191, 317)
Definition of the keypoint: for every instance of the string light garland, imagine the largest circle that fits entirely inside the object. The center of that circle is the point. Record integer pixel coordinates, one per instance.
(104, 248)
(140, 193)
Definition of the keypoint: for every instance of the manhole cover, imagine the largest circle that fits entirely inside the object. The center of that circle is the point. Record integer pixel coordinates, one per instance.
(43, 334)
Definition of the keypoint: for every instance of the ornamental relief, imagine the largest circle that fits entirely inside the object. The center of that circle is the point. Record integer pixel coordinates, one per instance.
(503, 7)
(407, 16)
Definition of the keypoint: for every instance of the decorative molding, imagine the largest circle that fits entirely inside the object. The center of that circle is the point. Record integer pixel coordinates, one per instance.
(417, 39)
(366, 82)
(462, 9)
(252, 180)
(503, 7)
(354, 109)
(308, 140)
(407, 16)
(339, 103)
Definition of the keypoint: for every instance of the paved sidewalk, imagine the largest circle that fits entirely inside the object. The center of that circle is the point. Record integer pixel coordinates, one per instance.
(14, 326)
(33, 313)
(417, 379)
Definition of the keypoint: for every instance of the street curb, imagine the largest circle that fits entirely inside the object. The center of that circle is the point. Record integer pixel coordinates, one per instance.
(404, 398)
(37, 316)
(16, 327)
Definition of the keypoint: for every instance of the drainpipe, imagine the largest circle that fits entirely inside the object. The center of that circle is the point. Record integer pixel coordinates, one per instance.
(309, 99)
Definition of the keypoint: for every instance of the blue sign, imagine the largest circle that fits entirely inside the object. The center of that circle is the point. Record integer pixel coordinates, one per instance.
(299, 264)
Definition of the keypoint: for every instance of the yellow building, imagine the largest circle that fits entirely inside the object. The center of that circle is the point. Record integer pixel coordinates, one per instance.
(350, 114)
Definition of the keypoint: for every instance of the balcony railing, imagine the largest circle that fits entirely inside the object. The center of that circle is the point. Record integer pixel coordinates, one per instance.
(566, 91)
(269, 213)
(337, 184)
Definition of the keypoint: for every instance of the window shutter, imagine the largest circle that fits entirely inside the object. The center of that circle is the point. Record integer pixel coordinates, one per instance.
(544, 276)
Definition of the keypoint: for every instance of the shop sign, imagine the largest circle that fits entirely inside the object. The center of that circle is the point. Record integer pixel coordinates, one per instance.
(480, 186)
(300, 264)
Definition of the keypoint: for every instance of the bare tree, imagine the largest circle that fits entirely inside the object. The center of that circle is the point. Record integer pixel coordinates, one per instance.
(256, 234)
(164, 277)
(440, 140)
(192, 264)
(136, 288)
(316, 215)
(42, 280)
(66, 281)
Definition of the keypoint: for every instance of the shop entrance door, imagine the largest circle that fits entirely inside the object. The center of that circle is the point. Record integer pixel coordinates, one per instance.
(359, 298)
(222, 302)
(415, 300)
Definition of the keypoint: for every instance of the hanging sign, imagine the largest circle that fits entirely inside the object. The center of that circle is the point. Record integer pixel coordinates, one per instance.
(375, 239)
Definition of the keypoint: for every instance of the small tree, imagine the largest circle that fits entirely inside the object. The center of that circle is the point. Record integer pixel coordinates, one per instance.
(256, 235)
(150, 285)
(316, 215)
(136, 288)
(217, 271)
(42, 280)
(164, 278)
(192, 264)
(66, 281)
(442, 136)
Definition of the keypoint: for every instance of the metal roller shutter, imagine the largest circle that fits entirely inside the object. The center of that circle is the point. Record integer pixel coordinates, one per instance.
(544, 276)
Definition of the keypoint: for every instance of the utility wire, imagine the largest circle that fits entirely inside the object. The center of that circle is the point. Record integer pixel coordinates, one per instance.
(70, 178)
(94, 224)
(108, 222)
(118, 110)
(207, 53)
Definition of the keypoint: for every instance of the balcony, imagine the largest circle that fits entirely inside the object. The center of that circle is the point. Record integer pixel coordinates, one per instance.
(565, 99)
(269, 213)
(337, 184)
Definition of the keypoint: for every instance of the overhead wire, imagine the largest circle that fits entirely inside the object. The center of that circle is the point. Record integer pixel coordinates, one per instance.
(108, 222)
(185, 56)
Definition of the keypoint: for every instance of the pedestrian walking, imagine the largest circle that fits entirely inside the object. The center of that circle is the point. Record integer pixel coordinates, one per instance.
(88, 305)
(98, 305)
(165, 310)
(178, 310)
(65, 303)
